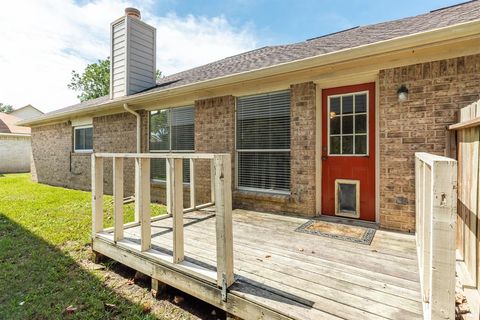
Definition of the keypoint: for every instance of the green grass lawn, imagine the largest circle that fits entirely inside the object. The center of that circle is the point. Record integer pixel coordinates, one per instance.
(44, 232)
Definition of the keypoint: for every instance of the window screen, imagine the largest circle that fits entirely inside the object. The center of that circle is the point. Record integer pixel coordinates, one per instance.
(263, 142)
(171, 130)
(83, 139)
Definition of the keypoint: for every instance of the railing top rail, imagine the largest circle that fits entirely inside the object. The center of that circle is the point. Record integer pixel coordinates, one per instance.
(429, 158)
(159, 155)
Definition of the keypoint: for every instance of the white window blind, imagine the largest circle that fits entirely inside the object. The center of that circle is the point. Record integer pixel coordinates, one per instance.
(263, 142)
(171, 130)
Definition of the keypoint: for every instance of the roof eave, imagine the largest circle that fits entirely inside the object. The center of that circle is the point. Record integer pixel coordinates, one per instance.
(425, 38)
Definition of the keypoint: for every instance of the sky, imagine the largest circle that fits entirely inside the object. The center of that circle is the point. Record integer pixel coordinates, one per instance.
(42, 41)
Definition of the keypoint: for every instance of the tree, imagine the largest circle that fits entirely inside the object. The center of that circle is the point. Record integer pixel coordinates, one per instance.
(94, 82)
(6, 108)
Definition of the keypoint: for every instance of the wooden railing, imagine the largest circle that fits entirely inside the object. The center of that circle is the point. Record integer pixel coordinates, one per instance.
(221, 191)
(436, 198)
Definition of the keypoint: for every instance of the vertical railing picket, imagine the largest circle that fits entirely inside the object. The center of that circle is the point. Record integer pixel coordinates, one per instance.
(117, 199)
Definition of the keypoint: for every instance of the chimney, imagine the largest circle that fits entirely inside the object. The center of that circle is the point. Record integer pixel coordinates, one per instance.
(133, 55)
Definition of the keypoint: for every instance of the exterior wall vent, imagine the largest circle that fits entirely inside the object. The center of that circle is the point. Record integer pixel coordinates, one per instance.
(133, 55)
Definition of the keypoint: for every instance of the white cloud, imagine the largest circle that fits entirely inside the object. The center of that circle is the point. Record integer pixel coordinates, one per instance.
(43, 41)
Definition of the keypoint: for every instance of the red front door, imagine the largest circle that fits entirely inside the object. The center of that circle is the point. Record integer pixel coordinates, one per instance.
(348, 151)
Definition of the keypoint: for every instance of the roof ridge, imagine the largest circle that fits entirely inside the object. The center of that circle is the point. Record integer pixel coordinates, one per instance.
(393, 20)
(451, 6)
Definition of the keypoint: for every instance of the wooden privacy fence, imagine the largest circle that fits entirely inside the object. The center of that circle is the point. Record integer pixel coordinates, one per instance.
(435, 187)
(221, 198)
(468, 217)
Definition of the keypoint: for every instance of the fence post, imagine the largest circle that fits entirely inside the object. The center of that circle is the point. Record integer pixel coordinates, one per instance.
(117, 199)
(97, 195)
(223, 204)
(177, 210)
(444, 228)
(436, 200)
(142, 200)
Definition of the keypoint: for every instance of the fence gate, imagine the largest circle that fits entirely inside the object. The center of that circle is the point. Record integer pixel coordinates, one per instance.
(468, 225)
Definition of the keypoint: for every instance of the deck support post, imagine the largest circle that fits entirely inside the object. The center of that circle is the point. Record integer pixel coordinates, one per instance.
(177, 209)
(142, 200)
(158, 288)
(97, 195)
(117, 199)
(223, 204)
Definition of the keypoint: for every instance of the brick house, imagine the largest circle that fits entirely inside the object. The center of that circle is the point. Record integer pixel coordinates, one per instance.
(324, 126)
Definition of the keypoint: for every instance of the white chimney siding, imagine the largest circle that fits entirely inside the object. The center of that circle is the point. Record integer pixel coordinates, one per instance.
(133, 52)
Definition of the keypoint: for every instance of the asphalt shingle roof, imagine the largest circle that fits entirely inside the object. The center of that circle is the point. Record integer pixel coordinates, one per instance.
(8, 124)
(273, 55)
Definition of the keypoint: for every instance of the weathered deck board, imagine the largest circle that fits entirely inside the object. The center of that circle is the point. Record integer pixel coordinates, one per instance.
(313, 276)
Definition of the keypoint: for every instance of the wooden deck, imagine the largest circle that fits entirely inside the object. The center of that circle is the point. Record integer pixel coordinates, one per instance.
(281, 273)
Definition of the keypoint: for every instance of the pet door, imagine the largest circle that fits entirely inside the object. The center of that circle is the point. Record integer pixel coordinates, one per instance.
(347, 198)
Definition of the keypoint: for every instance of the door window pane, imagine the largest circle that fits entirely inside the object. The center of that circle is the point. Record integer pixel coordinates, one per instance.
(347, 124)
(335, 145)
(360, 103)
(335, 125)
(361, 123)
(347, 145)
(347, 104)
(360, 144)
(335, 105)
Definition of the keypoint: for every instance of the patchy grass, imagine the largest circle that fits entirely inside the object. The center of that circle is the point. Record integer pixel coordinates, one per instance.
(44, 243)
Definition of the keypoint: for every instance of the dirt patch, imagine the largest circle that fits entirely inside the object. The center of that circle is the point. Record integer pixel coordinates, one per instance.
(172, 304)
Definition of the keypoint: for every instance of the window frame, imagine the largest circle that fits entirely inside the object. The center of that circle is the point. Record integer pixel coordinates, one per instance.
(237, 151)
(366, 134)
(170, 151)
(75, 150)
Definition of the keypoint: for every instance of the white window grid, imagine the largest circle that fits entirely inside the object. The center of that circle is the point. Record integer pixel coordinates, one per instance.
(353, 134)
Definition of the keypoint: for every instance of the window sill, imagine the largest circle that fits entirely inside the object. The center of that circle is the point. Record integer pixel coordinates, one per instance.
(81, 153)
(262, 196)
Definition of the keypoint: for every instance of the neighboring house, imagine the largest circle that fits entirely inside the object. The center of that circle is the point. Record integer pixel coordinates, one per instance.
(26, 112)
(327, 126)
(15, 146)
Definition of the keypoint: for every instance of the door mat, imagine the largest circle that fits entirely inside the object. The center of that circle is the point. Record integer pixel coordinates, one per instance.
(340, 231)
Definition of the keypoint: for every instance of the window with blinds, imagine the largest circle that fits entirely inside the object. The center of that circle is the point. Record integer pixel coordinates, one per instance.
(171, 130)
(263, 142)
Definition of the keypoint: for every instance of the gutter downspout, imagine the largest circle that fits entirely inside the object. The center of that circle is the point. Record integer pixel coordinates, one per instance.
(137, 115)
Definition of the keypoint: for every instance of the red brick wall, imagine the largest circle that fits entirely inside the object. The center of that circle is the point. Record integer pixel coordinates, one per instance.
(53, 161)
(214, 132)
(436, 91)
